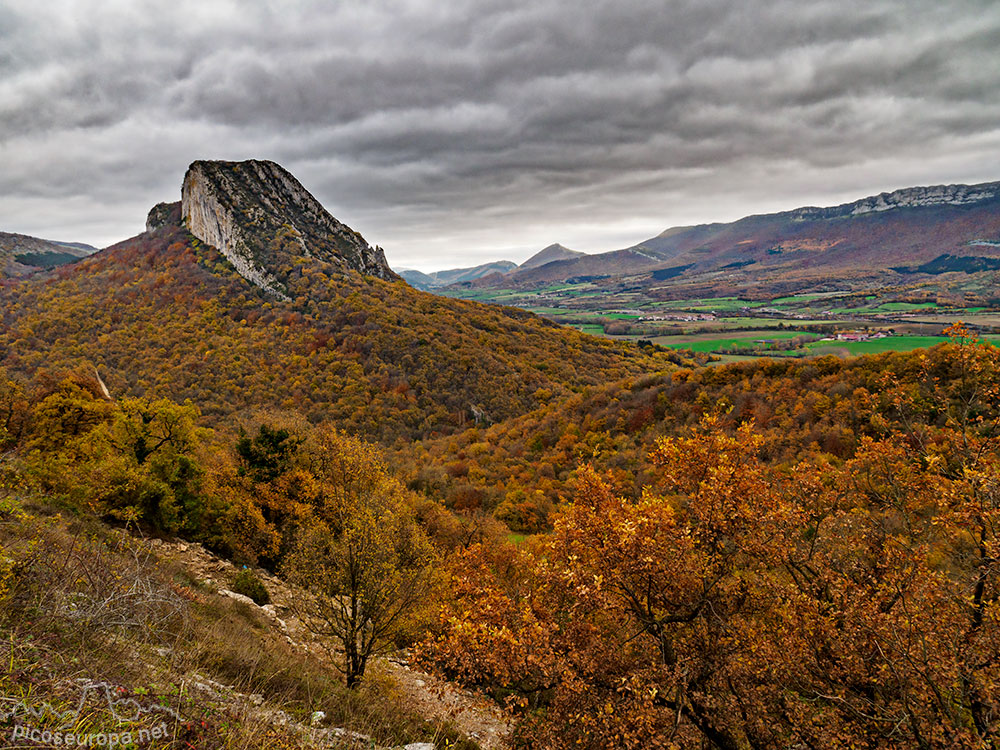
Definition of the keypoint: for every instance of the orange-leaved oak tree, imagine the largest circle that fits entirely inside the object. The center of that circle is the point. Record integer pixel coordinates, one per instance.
(740, 604)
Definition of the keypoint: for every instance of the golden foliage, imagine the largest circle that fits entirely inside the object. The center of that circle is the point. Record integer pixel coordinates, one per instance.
(163, 316)
(744, 604)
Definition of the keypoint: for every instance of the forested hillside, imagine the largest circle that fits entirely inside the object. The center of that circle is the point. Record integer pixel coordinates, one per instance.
(165, 315)
(757, 555)
(766, 590)
(521, 469)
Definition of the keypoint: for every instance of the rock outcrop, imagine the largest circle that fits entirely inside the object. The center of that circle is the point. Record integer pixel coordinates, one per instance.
(915, 197)
(162, 214)
(262, 219)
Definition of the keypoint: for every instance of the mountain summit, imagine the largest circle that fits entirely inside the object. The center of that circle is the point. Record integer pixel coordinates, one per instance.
(548, 255)
(262, 219)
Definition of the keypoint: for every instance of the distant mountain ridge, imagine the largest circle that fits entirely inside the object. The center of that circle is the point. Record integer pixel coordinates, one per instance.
(891, 232)
(21, 254)
(438, 279)
(934, 195)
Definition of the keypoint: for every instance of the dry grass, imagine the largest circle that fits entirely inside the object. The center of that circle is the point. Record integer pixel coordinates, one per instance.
(83, 602)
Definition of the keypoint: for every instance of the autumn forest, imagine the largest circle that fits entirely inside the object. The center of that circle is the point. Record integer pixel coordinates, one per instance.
(615, 545)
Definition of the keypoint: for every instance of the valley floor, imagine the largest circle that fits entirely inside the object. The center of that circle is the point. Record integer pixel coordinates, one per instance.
(733, 328)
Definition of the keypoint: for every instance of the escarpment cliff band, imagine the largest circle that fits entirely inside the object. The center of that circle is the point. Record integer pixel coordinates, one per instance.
(263, 221)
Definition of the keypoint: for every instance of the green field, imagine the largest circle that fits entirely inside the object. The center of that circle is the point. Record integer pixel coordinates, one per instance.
(549, 310)
(876, 346)
(796, 299)
(737, 325)
(891, 344)
(714, 341)
(708, 304)
(906, 306)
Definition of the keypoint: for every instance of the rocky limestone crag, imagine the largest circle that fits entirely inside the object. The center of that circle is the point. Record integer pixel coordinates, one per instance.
(162, 214)
(934, 195)
(263, 220)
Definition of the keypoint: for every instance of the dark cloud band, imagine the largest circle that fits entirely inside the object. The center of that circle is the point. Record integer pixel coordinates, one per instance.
(454, 133)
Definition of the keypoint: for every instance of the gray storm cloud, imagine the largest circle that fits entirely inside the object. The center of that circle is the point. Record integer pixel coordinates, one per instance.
(454, 133)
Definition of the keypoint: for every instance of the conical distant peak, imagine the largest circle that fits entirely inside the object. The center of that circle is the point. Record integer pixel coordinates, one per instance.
(549, 254)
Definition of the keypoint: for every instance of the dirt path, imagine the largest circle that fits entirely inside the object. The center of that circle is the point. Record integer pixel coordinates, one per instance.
(436, 700)
(475, 716)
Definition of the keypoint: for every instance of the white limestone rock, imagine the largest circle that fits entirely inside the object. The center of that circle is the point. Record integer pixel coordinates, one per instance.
(263, 221)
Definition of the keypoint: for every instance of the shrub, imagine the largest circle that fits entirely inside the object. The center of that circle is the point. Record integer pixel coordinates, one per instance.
(247, 583)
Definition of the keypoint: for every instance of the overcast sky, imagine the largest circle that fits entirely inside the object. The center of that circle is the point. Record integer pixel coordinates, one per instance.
(460, 131)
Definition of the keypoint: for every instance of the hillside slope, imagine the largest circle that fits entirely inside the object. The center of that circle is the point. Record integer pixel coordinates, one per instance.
(165, 314)
(21, 254)
(101, 626)
(533, 461)
(898, 237)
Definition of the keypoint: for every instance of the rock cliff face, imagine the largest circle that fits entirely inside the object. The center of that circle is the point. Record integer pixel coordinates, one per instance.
(162, 214)
(935, 195)
(262, 219)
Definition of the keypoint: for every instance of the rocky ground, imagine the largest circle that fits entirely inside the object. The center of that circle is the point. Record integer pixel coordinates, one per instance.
(437, 700)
